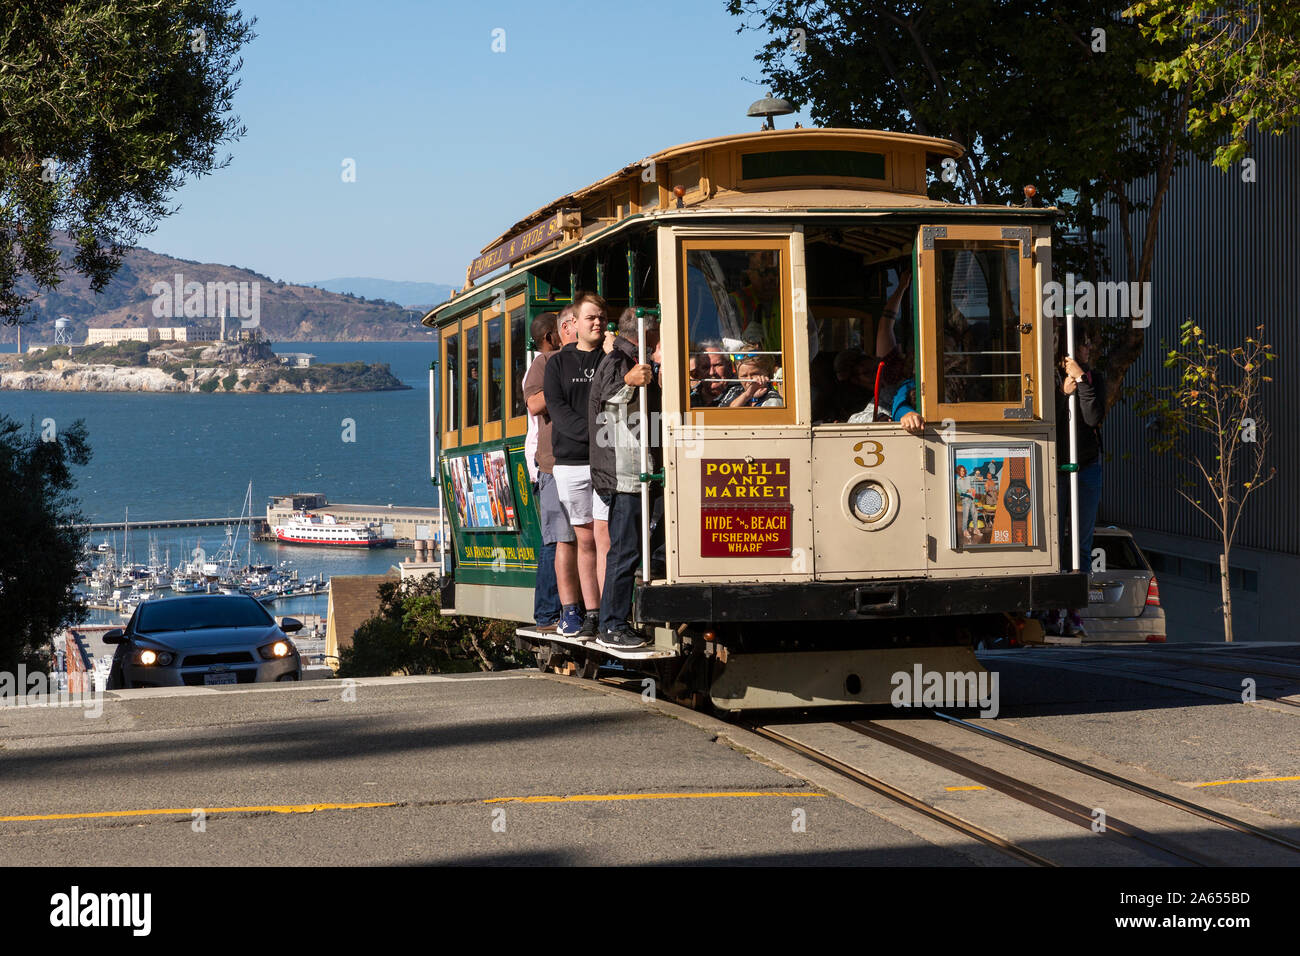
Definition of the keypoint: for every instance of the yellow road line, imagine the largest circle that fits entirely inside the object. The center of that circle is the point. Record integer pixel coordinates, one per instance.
(313, 807)
(603, 797)
(950, 789)
(186, 811)
(1220, 783)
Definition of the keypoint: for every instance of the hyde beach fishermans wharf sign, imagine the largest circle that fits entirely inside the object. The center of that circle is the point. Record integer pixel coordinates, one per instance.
(745, 508)
(507, 252)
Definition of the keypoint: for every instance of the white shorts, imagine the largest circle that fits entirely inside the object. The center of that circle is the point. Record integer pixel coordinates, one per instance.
(573, 485)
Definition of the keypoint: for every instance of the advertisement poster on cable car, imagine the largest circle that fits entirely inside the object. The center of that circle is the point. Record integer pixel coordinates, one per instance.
(994, 496)
(480, 485)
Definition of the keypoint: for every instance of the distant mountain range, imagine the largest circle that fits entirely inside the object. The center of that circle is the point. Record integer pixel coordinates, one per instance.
(411, 295)
(351, 310)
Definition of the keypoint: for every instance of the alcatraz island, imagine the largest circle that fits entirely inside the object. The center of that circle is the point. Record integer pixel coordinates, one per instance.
(154, 365)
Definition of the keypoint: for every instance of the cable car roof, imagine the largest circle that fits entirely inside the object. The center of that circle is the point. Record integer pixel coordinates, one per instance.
(849, 167)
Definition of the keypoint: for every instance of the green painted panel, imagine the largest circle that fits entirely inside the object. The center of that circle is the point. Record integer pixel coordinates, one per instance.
(812, 162)
(500, 557)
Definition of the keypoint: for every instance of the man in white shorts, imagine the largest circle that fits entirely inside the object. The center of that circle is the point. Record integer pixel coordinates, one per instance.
(567, 383)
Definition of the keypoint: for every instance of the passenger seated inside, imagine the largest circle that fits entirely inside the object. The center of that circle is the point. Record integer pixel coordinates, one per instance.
(850, 395)
(735, 306)
(756, 390)
(714, 376)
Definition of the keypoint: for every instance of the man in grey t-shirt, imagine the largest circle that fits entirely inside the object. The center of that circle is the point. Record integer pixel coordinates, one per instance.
(550, 332)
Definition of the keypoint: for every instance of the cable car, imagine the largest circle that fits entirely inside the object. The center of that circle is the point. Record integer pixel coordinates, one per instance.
(814, 549)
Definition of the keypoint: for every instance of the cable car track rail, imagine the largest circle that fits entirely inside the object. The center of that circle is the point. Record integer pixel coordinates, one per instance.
(1053, 803)
(1106, 776)
(913, 803)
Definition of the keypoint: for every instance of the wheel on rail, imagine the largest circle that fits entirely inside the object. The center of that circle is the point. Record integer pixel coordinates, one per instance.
(589, 667)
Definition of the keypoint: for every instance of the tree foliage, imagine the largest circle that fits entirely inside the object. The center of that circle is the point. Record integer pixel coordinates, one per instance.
(39, 548)
(1049, 95)
(106, 108)
(1241, 60)
(1210, 417)
(409, 635)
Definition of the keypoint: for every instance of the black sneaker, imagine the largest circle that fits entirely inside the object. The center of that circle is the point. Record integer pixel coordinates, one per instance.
(623, 639)
(590, 625)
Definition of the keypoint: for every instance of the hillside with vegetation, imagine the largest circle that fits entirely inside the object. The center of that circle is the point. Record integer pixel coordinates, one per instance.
(286, 312)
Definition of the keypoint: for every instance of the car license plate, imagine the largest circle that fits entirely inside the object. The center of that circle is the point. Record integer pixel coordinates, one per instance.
(226, 678)
(1096, 596)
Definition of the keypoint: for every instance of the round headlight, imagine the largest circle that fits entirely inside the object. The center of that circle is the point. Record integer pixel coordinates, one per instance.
(148, 657)
(275, 650)
(869, 501)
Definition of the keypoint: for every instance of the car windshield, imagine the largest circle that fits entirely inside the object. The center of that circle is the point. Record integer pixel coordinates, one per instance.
(200, 612)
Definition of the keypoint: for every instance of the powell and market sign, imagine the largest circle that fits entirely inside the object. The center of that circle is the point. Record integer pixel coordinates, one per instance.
(507, 252)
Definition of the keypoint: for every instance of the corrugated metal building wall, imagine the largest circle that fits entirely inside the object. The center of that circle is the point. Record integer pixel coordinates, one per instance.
(1227, 256)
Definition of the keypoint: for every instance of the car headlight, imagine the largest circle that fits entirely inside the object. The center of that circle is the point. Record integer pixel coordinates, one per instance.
(275, 650)
(148, 657)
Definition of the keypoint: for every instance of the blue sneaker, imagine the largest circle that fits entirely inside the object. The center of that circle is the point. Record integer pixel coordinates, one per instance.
(570, 621)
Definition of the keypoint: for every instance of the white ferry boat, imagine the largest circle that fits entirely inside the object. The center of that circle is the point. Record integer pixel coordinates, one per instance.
(307, 528)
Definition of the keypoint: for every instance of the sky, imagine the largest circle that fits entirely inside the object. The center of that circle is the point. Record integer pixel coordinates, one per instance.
(452, 142)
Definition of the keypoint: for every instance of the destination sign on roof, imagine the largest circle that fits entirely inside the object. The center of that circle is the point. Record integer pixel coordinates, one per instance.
(518, 247)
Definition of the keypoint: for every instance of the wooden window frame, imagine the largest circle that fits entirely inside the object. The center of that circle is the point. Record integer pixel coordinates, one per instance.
(468, 435)
(789, 375)
(518, 424)
(490, 430)
(931, 339)
(451, 370)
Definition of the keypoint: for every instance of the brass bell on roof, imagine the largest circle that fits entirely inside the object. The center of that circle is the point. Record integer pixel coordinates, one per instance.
(768, 107)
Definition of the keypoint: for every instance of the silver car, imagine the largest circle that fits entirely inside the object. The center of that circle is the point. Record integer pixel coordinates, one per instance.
(1123, 596)
(211, 639)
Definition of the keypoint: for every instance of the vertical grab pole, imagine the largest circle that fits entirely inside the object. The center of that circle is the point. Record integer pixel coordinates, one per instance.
(1074, 445)
(434, 431)
(643, 399)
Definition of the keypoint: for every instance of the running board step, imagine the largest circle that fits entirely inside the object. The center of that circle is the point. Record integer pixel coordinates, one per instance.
(591, 647)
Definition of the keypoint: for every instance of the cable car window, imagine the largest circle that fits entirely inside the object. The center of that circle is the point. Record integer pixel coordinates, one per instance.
(496, 369)
(735, 330)
(978, 292)
(473, 404)
(518, 362)
(451, 382)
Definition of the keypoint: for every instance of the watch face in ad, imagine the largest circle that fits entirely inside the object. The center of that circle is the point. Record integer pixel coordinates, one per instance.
(994, 495)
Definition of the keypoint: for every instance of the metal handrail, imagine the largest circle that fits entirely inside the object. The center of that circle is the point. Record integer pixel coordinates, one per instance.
(644, 403)
(1074, 448)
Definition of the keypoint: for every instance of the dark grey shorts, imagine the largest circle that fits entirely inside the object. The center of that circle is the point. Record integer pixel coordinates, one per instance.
(555, 523)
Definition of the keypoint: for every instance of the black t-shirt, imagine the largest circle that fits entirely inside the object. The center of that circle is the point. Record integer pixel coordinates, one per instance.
(566, 385)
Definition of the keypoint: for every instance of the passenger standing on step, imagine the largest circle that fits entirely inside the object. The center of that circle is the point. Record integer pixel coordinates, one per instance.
(614, 424)
(548, 337)
(567, 385)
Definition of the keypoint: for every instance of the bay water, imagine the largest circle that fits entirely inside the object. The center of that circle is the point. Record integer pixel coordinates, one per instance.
(167, 456)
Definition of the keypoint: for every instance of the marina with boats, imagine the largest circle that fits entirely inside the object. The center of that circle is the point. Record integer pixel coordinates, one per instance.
(284, 559)
(115, 583)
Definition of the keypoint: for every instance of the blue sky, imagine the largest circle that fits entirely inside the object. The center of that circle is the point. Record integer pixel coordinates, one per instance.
(452, 142)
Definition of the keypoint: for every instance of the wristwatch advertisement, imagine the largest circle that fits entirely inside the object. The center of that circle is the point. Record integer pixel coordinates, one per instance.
(995, 495)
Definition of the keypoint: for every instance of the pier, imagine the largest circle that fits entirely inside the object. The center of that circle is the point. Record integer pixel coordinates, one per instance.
(404, 524)
(167, 523)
